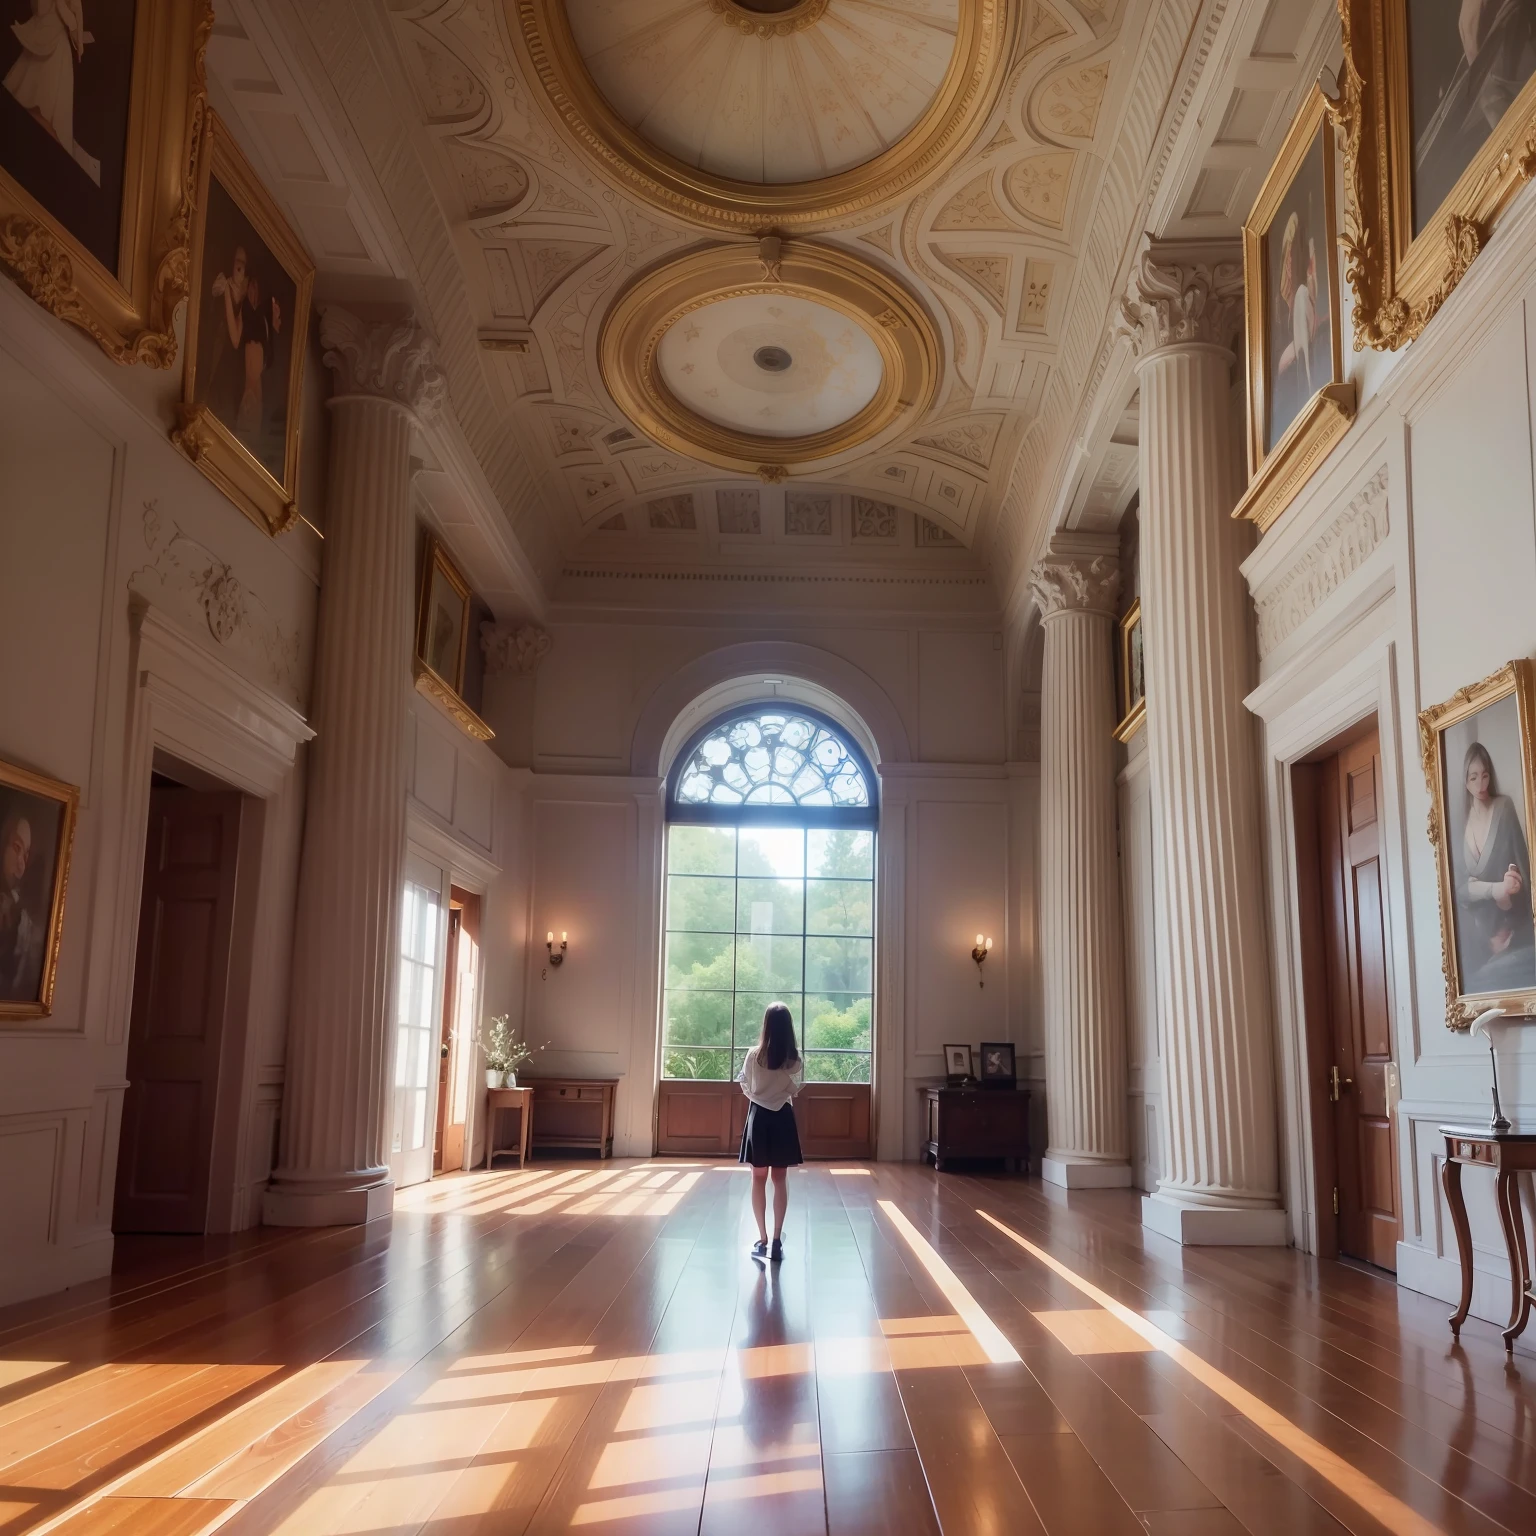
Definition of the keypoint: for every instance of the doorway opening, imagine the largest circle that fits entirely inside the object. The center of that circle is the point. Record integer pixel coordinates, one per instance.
(185, 1034)
(1354, 1080)
(460, 999)
(769, 897)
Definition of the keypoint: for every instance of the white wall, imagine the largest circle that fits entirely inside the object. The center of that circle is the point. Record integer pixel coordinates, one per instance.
(1406, 570)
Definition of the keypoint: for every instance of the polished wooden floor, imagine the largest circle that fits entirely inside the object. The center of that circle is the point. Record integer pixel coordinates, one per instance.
(591, 1347)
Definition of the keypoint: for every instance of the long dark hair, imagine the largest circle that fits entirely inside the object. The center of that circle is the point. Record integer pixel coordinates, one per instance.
(776, 1045)
(1478, 753)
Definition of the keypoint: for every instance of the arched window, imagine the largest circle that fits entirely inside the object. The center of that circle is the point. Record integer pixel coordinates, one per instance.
(770, 894)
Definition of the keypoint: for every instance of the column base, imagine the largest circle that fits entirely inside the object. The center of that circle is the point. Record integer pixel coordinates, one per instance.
(286, 1205)
(1084, 1173)
(1214, 1225)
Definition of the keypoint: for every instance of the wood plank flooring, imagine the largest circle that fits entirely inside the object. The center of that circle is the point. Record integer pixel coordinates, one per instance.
(589, 1347)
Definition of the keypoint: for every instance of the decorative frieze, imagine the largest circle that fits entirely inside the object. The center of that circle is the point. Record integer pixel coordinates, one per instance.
(509, 649)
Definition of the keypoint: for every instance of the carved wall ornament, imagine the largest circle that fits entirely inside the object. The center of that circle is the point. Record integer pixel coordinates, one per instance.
(739, 511)
(672, 512)
(972, 440)
(1286, 601)
(808, 513)
(509, 649)
(1177, 298)
(395, 360)
(930, 535)
(988, 273)
(1035, 296)
(1075, 586)
(1402, 262)
(873, 519)
(1069, 102)
(1037, 186)
(973, 207)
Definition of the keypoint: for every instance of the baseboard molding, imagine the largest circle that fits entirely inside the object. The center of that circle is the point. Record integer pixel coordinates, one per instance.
(1074, 1173)
(1432, 1274)
(42, 1271)
(1214, 1226)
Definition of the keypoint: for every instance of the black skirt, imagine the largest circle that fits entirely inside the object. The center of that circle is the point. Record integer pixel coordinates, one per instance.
(770, 1138)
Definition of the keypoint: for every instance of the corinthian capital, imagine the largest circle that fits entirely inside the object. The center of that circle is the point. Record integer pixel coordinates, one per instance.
(395, 360)
(1183, 294)
(1075, 586)
(514, 650)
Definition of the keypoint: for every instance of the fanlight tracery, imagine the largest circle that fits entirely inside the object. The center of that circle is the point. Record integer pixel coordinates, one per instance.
(773, 764)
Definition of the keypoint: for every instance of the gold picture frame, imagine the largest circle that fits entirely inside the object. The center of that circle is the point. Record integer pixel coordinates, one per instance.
(444, 608)
(37, 837)
(1401, 274)
(1299, 191)
(1133, 693)
(243, 432)
(1484, 733)
(124, 293)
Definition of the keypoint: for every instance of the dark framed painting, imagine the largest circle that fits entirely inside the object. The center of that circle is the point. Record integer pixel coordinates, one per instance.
(1436, 112)
(1477, 751)
(247, 319)
(995, 1064)
(37, 832)
(444, 612)
(1133, 677)
(1298, 401)
(100, 107)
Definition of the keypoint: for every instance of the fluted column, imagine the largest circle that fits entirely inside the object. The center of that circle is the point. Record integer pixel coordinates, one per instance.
(1082, 948)
(1220, 1176)
(332, 1160)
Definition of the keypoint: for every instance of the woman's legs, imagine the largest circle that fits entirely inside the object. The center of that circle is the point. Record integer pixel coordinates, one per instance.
(760, 1200)
(780, 1200)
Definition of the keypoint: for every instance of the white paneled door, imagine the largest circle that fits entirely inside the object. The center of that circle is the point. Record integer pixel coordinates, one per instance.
(423, 935)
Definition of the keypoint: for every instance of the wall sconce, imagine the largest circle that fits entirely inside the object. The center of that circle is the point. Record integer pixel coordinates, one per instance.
(979, 955)
(549, 944)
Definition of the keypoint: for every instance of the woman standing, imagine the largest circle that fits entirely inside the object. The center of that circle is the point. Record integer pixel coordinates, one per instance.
(1495, 902)
(771, 1076)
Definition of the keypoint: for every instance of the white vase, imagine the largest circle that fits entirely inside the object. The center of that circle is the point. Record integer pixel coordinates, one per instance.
(511, 1081)
(493, 1078)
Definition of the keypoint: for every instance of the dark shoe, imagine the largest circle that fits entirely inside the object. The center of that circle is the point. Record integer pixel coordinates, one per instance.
(760, 1250)
(776, 1253)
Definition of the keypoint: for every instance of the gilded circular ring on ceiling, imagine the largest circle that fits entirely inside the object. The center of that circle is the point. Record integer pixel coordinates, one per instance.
(763, 363)
(793, 198)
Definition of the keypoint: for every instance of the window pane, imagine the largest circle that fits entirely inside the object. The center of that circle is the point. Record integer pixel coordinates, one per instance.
(837, 1021)
(701, 902)
(770, 906)
(702, 960)
(769, 963)
(839, 906)
(773, 851)
(836, 1067)
(840, 854)
(704, 1064)
(698, 1018)
(838, 965)
(749, 1014)
(737, 1060)
(701, 850)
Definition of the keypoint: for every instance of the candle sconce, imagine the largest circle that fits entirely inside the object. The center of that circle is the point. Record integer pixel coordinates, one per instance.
(979, 955)
(555, 957)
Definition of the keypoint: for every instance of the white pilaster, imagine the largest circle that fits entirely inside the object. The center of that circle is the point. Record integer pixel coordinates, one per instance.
(1220, 1181)
(331, 1166)
(1082, 945)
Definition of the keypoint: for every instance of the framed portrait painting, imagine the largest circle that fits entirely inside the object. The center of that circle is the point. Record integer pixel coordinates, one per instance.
(101, 106)
(247, 319)
(1477, 761)
(997, 1068)
(1437, 112)
(444, 610)
(1133, 677)
(37, 832)
(1298, 401)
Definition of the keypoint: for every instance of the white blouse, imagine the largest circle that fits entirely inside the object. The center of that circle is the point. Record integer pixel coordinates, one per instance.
(772, 1087)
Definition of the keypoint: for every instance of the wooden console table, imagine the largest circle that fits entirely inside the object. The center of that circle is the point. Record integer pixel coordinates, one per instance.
(499, 1101)
(573, 1112)
(1508, 1154)
(976, 1122)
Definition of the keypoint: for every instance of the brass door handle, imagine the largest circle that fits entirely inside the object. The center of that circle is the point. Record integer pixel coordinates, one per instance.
(1337, 1083)
(443, 1051)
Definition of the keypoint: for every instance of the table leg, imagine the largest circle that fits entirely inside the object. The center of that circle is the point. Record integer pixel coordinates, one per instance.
(1450, 1178)
(1512, 1219)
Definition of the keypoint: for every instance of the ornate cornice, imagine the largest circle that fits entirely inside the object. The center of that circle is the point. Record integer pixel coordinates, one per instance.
(1190, 295)
(394, 361)
(514, 650)
(767, 23)
(1075, 586)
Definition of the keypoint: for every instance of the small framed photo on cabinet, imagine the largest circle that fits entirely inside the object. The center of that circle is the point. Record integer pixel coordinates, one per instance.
(37, 833)
(1477, 750)
(957, 1064)
(997, 1067)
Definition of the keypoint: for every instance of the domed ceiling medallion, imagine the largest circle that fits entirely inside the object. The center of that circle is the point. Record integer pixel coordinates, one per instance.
(746, 115)
(767, 358)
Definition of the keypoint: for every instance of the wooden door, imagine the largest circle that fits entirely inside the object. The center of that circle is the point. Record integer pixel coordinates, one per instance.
(180, 987)
(460, 1012)
(1358, 1059)
(445, 1044)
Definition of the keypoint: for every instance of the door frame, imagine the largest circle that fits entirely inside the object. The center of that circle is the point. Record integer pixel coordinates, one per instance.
(1303, 707)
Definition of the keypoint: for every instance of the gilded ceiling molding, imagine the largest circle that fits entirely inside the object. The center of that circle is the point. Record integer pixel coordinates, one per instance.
(947, 128)
(770, 24)
(890, 318)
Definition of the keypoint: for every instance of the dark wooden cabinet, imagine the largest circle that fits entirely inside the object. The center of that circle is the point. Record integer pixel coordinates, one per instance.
(573, 1113)
(976, 1122)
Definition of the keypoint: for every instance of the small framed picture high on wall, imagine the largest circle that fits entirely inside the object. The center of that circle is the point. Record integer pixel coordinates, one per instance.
(443, 614)
(1299, 403)
(1133, 677)
(1477, 752)
(247, 318)
(37, 834)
